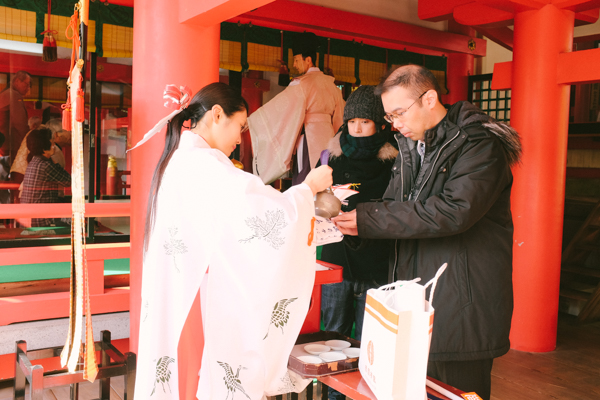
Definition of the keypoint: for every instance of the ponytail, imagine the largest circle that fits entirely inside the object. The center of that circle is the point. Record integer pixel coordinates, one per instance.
(204, 100)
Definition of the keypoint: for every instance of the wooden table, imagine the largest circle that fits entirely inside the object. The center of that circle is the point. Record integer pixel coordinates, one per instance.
(355, 387)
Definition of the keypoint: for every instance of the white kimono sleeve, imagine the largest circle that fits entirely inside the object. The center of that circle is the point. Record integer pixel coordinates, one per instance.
(274, 130)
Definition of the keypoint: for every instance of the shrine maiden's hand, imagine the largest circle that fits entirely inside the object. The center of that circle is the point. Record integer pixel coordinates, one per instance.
(346, 223)
(319, 179)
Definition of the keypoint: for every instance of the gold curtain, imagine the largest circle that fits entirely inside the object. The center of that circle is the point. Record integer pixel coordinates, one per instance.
(17, 25)
(230, 55)
(263, 58)
(117, 41)
(370, 72)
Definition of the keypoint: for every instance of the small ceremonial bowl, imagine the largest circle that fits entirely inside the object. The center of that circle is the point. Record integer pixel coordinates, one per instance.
(327, 205)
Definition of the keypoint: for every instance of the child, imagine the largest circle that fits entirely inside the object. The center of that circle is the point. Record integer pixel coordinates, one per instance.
(362, 153)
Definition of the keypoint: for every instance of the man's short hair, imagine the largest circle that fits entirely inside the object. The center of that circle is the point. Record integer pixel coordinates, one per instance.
(19, 75)
(34, 122)
(55, 125)
(414, 78)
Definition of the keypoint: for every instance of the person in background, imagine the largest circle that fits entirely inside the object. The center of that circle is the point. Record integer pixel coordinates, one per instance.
(34, 122)
(362, 153)
(43, 177)
(4, 171)
(60, 139)
(300, 120)
(13, 114)
(448, 201)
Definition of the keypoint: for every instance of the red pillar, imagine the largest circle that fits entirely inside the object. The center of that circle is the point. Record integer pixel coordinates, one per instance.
(540, 111)
(459, 67)
(166, 52)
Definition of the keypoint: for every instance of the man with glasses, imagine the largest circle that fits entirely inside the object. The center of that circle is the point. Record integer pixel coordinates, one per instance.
(449, 201)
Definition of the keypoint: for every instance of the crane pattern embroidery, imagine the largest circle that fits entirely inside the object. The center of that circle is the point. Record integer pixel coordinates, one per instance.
(232, 382)
(174, 246)
(280, 316)
(268, 230)
(163, 373)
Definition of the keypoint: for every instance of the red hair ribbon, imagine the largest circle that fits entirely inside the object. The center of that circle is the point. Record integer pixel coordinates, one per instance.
(177, 97)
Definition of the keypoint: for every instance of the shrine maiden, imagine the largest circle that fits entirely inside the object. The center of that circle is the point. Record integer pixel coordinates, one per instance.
(203, 212)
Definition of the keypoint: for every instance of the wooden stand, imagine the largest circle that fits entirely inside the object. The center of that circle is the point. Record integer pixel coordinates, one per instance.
(34, 374)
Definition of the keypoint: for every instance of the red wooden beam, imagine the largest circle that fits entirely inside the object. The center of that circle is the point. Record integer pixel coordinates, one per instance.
(212, 12)
(479, 14)
(502, 36)
(59, 210)
(588, 38)
(441, 10)
(502, 79)
(575, 67)
(289, 15)
(586, 173)
(106, 72)
(436, 10)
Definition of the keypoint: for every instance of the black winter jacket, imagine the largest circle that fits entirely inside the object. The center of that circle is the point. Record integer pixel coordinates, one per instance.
(455, 208)
(369, 263)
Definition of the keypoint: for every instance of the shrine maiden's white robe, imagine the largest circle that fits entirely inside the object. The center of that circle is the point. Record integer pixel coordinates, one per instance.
(256, 242)
(311, 100)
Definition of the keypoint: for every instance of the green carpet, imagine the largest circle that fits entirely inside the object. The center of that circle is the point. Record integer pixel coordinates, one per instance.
(34, 272)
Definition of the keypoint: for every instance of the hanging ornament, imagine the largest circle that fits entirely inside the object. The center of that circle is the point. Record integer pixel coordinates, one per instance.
(49, 53)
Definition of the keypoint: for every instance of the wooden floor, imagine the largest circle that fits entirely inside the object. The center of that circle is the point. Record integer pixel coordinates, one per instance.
(87, 391)
(571, 372)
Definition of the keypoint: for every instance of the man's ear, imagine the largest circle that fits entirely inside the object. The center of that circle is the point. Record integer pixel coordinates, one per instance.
(430, 98)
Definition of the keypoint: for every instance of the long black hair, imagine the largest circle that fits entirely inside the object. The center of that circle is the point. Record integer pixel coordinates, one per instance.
(203, 101)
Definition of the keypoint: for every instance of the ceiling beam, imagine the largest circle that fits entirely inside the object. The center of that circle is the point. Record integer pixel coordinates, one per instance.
(290, 15)
(212, 12)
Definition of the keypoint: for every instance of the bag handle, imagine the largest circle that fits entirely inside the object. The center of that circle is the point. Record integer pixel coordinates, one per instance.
(434, 280)
(398, 284)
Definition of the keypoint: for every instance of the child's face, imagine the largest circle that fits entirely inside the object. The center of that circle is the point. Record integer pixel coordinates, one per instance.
(361, 127)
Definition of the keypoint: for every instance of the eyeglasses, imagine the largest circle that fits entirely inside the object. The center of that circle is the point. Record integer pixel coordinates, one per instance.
(390, 117)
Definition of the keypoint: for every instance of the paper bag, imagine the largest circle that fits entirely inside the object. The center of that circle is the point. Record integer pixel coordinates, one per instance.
(395, 339)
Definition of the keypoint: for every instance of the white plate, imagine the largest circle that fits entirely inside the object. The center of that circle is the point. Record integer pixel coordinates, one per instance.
(352, 352)
(338, 344)
(332, 356)
(310, 359)
(316, 349)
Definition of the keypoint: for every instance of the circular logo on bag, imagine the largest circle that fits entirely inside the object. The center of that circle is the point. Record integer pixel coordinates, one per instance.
(371, 352)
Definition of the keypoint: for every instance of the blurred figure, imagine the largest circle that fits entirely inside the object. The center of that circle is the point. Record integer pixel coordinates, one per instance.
(43, 177)
(34, 122)
(13, 114)
(60, 139)
(4, 170)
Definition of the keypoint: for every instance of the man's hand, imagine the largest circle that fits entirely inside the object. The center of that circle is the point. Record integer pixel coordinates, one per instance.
(346, 223)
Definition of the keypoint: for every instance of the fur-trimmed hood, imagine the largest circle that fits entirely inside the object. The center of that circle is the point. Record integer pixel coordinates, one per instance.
(386, 152)
(464, 113)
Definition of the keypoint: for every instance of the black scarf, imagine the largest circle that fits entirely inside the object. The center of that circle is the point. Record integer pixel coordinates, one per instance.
(361, 148)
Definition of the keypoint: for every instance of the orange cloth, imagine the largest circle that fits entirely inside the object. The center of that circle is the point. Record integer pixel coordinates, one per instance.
(189, 352)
